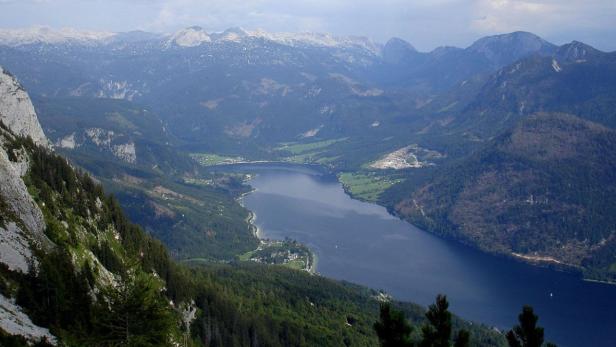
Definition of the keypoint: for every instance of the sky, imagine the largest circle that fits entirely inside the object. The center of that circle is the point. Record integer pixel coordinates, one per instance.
(425, 24)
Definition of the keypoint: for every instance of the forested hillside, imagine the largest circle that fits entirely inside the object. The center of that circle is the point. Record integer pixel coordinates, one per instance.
(542, 191)
(128, 149)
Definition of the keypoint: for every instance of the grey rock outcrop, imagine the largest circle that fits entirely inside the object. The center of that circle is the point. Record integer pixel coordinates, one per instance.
(17, 111)
(22, 224)
(15, 322)
(14, 193)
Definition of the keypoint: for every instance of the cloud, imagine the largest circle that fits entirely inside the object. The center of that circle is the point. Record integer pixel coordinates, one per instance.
(548, 16)
(557, 20)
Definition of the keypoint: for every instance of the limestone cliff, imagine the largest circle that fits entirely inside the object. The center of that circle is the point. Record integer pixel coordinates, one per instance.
(17, 111)
(22, 225)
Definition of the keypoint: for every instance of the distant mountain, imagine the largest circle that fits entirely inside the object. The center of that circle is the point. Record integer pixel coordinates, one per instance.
(575, 78)
(135, 37)
(530, 159)
(397, 50)
(445, 67)
(542, 191)
(189, 37)
(501, 50)
(45, 35)
(578, 52)
(238, 90)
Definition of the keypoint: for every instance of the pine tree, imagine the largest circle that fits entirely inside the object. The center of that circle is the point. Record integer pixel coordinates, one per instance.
(438, 332)
(137, 314)
(393, 329)
(527, 333)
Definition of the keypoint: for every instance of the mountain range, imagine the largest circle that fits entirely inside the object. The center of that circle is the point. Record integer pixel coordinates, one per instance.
(505, 145)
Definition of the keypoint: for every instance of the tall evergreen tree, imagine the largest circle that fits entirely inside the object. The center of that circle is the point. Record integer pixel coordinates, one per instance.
(438, 332)
(137, 314)
(393, 329)
(527, 333)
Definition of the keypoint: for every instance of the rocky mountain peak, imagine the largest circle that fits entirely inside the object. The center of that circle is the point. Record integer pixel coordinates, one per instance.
(507, 48)
(577, 51)
(396, 49)
(190, 37)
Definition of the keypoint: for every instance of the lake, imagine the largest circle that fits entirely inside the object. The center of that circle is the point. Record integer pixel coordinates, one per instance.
(361, 243)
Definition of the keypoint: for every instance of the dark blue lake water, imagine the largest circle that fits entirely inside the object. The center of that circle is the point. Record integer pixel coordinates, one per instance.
(361, 243)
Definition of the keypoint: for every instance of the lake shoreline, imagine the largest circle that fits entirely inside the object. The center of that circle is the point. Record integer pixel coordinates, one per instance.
(258, 233)
(535, 261)
(377, 249)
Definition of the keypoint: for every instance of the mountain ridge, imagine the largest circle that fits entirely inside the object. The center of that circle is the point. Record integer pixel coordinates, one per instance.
(529, 191)
(522, 42)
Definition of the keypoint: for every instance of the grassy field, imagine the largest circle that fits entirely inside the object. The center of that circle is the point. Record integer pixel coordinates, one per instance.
(302, 148)
(210, 159)
(313, 152)
(366, 186)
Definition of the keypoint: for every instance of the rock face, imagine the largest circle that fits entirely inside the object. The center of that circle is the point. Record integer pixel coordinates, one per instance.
(15, 322)
(15, 250)
(17, 111)
(22, 225)
(14, 193)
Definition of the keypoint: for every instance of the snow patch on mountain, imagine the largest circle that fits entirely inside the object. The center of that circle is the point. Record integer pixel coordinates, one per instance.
(319, 39)
(46, 35)
(233, 34)
(190, 37)
(196, 36)
(193, 36)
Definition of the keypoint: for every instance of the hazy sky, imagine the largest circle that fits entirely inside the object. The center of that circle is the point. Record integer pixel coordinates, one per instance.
(426, 24)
